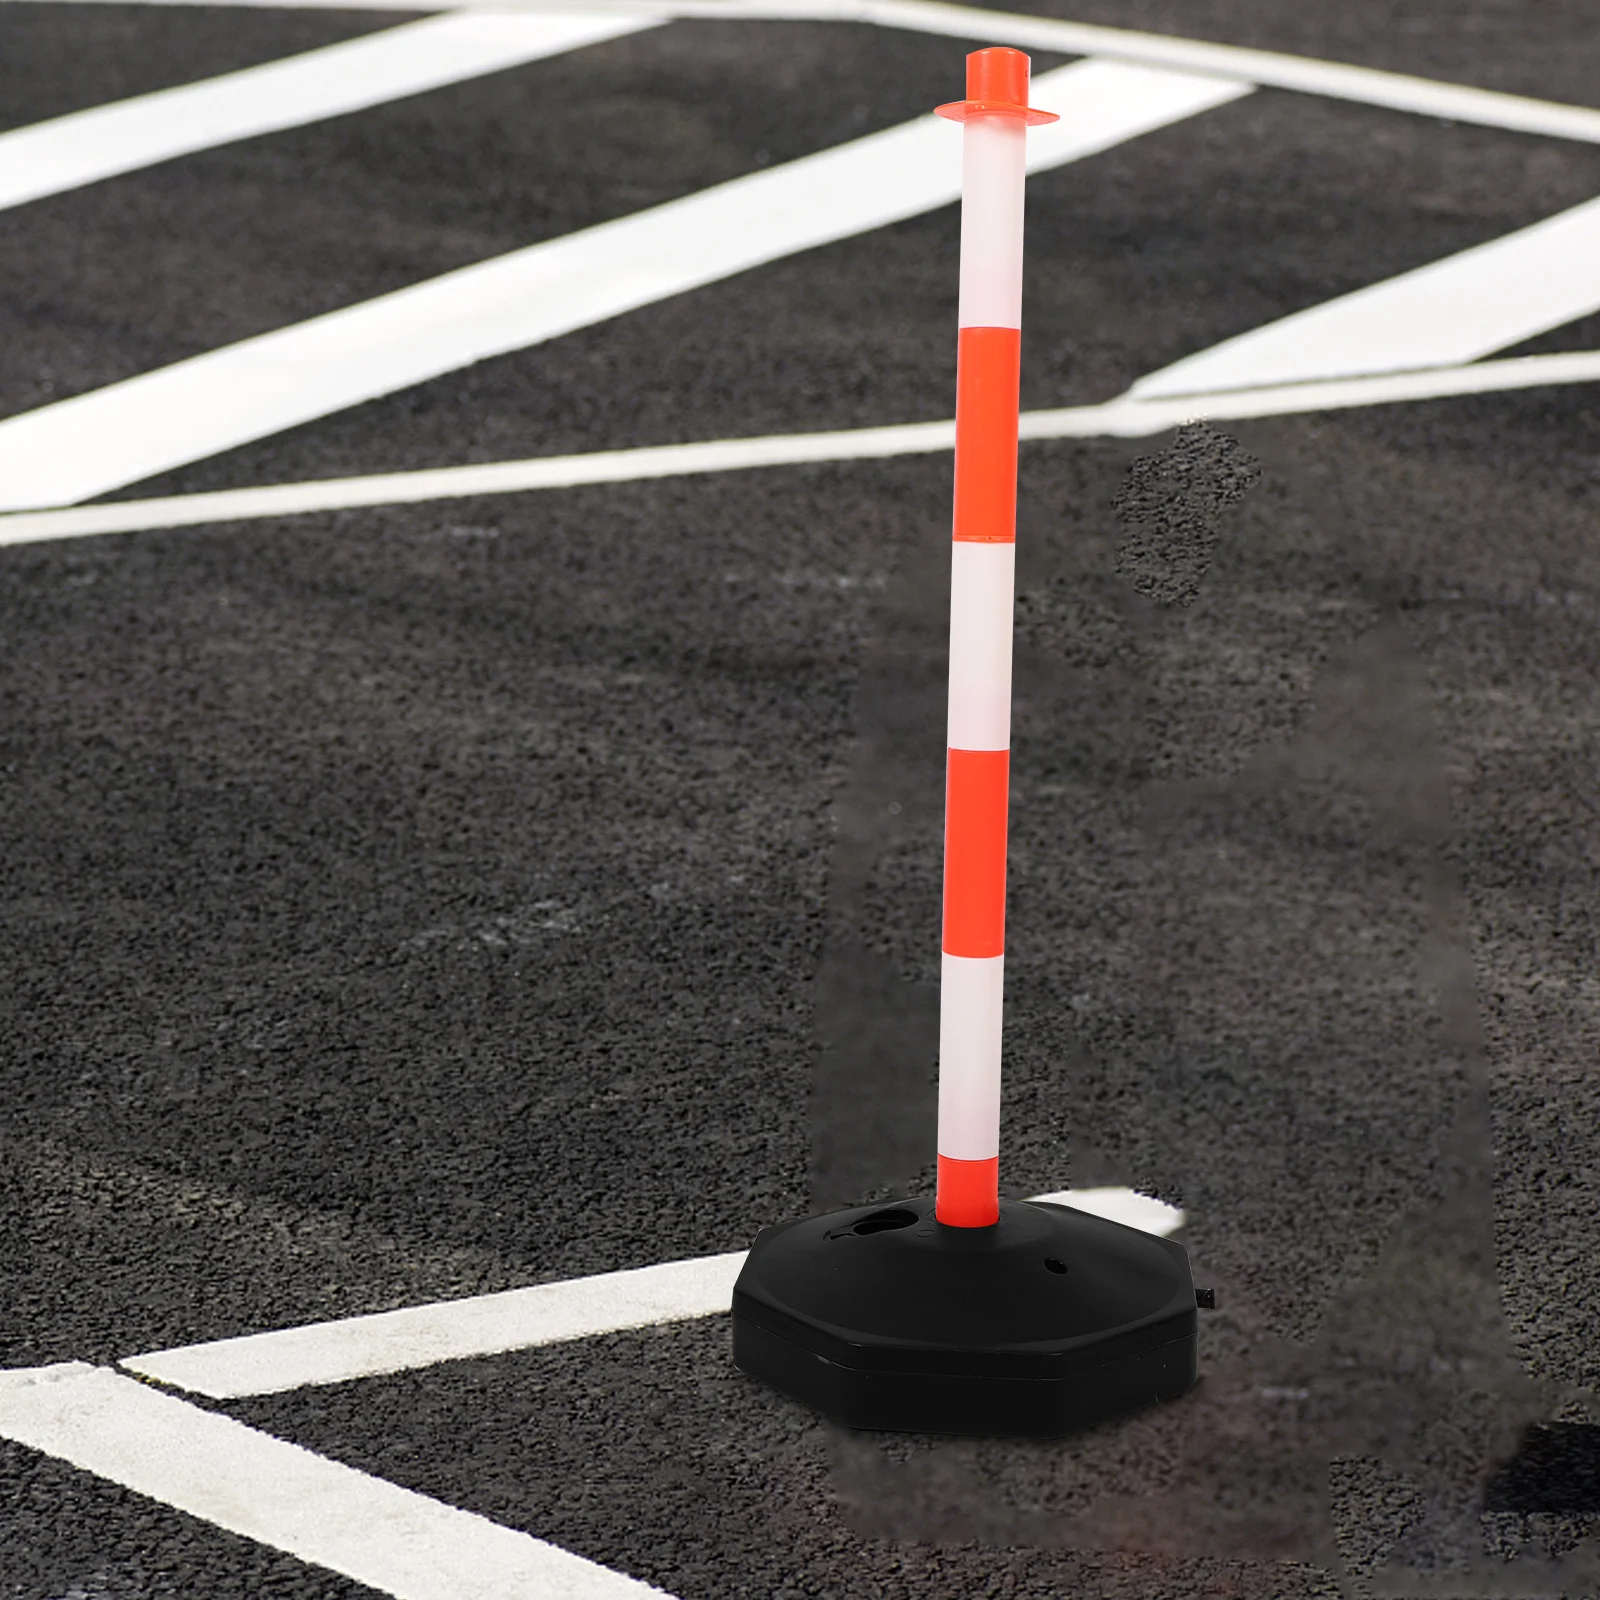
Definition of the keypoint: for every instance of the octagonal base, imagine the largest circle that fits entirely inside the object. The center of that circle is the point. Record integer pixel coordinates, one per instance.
(882, 1317)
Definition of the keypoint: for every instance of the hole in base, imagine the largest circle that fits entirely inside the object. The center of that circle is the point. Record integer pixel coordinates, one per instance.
(883, 1221)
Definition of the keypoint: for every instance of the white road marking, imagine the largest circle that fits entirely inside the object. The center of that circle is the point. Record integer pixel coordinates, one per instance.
(1442, 315)
(96, 442)
(281, 1495)
(1127, 1206)
(1394, 91)
(500, 477)
(516, 1319)
(1120, 418)
(86, 146)
(448, 1330)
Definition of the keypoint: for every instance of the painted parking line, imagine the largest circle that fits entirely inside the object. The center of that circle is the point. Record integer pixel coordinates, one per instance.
(96, 442)
(278, 1494)
(1337, 80)
(449, 1330)
(1121, 418)
(515, 1319)
(87, 146)
(1445, 314)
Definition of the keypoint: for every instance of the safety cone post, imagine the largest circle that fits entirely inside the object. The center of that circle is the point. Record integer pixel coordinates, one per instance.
(969, 1313)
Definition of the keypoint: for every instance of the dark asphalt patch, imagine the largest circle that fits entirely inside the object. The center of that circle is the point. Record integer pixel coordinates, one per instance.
(1557, 1468)
(1171, 507)
(1584, 334)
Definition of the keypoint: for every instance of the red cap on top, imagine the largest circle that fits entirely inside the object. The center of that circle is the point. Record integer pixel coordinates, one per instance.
(997, 85)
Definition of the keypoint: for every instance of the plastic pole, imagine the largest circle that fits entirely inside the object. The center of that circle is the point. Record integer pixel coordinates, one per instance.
(995, 115)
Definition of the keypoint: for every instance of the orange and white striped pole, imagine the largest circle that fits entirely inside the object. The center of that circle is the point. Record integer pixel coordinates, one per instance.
(996, 116)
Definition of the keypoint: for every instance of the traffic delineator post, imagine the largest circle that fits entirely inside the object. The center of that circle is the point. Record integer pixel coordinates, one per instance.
(995, 118)
(969, 1314)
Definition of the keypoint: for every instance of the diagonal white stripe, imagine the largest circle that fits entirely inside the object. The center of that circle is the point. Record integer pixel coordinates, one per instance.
(516, 1319)
(1121, 418)
(1442, 315)
(281, 1495)
(1338, 80)
(90, 145)
(100, 441)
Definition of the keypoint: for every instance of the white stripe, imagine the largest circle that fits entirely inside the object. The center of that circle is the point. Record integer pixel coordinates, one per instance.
(1127, 1206)
(1127, 417)
(994, 150)
(1442, 315)
(90, 145)
(1395, 91)
(280, 1495)
(100, 441)
(420, 1336)
(400, 1341)
(1120, 418)
(981, 582)
(970, 1010)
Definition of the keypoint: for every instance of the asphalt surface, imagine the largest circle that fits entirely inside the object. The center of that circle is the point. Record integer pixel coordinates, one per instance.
(410, 902)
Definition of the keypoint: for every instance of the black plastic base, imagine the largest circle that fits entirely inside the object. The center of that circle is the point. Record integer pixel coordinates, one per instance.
(882, 1317)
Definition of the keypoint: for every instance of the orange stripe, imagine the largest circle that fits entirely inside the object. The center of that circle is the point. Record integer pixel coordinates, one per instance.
(976, 785)
(968, 1192)
(988, 363)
